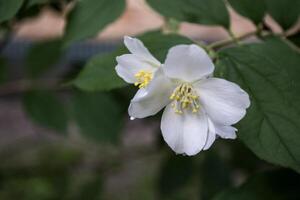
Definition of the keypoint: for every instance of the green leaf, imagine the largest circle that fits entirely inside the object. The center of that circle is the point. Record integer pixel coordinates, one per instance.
(9, 8)
(269, 73)
(42, 56)
(252, 9)
(98, 116)
(285, 12)
(175, 174)
(45, 109)
(208, 12)
(88, 17)
(275, 185)
(99, 74)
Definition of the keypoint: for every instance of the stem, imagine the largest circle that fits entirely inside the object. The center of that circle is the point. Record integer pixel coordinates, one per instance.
(21, 86)
(222, 43)
(203, 46)
(234, 38)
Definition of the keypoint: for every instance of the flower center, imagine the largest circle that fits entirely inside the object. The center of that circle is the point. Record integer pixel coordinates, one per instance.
(143, 78)
(185, 97)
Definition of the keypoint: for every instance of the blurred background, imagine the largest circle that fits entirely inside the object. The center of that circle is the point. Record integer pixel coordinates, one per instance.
(62, 143)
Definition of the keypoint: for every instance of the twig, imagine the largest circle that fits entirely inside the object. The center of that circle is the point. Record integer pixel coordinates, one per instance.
(234, 38)
(222, 43)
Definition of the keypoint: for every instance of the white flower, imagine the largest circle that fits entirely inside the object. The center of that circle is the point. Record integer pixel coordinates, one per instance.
(144, 71)
(198, 107)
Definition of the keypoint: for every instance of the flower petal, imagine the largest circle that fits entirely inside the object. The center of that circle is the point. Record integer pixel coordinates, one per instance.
(188, 63)
(211, 137)
(185, 133)
(225, 102)
(129, 65)
(136, 47)
(226, 132)
(150, 100)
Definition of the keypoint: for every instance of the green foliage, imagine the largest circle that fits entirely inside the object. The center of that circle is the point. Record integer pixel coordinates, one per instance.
(87, 185)
(98, 116)
(175, 173)
(42, 56)
(49, 170)
(88, 17)
(3, 70)
(8, 9)
(34, 2)
(46, 109)
(268, 72)
(208, 12)
(252, 9)
(295, 39)
(286, 12)
(275, 185)
(99, 74)
(214, 176)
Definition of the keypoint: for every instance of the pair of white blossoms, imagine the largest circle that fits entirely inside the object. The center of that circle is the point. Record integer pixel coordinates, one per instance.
(199, 108)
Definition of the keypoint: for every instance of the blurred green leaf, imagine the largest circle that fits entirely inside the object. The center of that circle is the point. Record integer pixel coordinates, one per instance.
(45, 109)
(214, 176)
(35, 188)
(269, 73)
(3, 70)
(175, 174)
(208, 12)
(9, 8)
(238, 154)
(42, 56)
(88, 17)
(275, 185)
(40, 169)
(34, 2)
(99, 74)
(159, 43)
(252, 9)
(98, 115)
(295, 39)
(285, 12)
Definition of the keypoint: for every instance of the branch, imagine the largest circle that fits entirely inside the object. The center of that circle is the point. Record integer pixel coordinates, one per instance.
(223, 43)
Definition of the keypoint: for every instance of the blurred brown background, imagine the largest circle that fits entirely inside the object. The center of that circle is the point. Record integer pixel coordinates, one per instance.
(137, 18)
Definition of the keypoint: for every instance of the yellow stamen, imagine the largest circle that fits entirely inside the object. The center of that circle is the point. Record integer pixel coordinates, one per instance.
(143, 78)
(185, 97)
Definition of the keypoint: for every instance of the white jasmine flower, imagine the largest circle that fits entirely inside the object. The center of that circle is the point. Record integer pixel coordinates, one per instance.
(198, 107)
(143, 70)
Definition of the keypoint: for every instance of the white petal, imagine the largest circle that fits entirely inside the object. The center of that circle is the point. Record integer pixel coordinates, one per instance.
(226, 132)
(225, 102)
(136, 47)
(129, 65)
(211, 137)
(186, 133)
(188, 63)
(150, 100)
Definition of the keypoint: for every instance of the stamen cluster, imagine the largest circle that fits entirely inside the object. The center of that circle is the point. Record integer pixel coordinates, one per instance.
(143, 78)
(185, 97)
